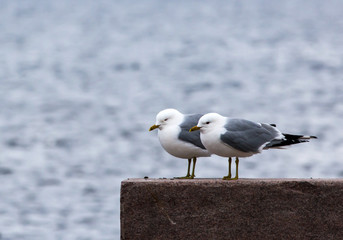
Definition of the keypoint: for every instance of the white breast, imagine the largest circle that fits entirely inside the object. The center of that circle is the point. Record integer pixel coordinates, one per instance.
(170, 142)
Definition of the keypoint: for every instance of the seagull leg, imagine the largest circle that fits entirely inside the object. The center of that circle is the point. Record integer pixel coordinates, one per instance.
(228, 177)
(194, 162)
(188, 176)
(189, 168)
(237, 162)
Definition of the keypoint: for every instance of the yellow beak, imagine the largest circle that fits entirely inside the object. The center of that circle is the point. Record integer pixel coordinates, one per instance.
(195, 128)
(153, 127)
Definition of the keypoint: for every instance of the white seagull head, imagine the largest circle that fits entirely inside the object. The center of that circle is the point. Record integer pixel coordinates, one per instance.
(209, 122)
(167, 117)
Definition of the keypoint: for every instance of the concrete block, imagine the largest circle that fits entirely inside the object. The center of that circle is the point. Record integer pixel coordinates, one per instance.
(243, 209)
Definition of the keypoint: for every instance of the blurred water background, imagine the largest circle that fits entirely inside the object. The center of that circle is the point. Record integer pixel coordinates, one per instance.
(81, 82)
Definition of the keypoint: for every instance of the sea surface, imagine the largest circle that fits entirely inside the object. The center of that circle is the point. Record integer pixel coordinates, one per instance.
(81, 82)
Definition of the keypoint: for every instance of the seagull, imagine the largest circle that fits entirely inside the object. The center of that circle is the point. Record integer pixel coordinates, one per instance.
(173, 132)
(233, 137)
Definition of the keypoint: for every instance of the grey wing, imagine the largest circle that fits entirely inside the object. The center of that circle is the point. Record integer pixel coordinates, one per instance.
(191, 137)
(247, 136)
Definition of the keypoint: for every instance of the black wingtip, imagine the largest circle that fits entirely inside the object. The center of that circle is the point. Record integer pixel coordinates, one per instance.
(289, 139)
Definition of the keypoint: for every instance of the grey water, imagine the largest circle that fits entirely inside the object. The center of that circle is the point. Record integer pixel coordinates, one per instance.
(82, 81)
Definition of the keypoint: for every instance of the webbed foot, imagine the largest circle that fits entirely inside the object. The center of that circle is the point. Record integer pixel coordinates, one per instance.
(229, 178)
(185, 177)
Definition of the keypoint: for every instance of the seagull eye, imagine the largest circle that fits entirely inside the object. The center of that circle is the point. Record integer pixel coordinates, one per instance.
(166, 119)
(207, 122)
